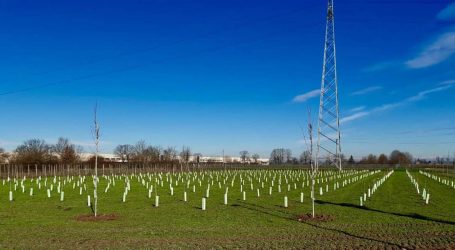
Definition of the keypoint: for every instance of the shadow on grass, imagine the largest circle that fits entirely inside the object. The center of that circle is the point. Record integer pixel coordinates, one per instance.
(411, 215)
(290, 216)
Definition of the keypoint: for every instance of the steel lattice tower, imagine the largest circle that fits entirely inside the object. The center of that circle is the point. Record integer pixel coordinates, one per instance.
(328, 147)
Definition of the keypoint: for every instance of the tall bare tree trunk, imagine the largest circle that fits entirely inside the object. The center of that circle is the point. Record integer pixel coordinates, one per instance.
(96, 135)
(314, 164)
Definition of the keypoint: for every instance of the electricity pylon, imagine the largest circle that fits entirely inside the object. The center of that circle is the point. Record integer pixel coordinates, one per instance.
(328, 147)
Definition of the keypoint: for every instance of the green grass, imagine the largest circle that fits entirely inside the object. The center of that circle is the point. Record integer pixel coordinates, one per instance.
(394, 217)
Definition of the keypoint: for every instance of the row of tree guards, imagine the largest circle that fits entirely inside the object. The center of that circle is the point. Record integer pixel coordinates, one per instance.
(34, 170)
(249, 183)
(31, 170)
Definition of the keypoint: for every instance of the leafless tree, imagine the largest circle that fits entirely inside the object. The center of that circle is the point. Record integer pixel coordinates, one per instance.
(255, 158)
(281, 156)
(139, 151)
(308, 139)
(343, 158)
(170, 154)
(305, 157)
(398, 157)
(185, 156)
(351, 160)
(96, 137)
(382, 159)
(152, 153)
(124, 151)
(34, 151)
(370, 159)
(4, 156)
(66, 151)
(244, 156)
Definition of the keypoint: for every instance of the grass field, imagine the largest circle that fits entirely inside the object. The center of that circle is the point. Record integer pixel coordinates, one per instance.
(394, 217)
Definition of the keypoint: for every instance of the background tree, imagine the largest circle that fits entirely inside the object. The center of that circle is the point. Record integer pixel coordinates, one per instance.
(125, 152)
(170, 154)
(4, 156)
(255, 158)
(351, 160)
(408, 158)
(139, 152)
(371, 159)
(382, 159)
(66, 151)
(305, 157)
(277, 156)
(398, 157)
(185, 156)
(280, 156)
(152, 154)
(197, 159)
(244, 156)
(34, 151)
(343, 158)
(288, 156)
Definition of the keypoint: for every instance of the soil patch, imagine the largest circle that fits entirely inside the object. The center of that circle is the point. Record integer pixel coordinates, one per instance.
(100, 217)
(317, 217)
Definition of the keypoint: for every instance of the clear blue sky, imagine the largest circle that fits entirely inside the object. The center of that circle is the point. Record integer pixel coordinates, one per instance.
(225, 74)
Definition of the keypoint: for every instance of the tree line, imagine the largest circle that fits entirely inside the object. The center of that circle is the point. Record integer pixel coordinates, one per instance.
(284, 156)
(395, 157)
(39, 152)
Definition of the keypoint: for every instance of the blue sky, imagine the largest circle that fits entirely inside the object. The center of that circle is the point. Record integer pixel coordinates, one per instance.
(233, 75)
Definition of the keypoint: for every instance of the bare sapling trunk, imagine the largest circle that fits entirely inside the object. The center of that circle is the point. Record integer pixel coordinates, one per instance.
(96, 135)
(313, 162)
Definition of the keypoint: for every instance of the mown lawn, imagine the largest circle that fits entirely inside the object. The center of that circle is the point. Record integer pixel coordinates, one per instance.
(394, 217)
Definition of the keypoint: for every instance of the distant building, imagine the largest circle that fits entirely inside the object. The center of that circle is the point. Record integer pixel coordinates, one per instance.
(106, 157)
(202, 159)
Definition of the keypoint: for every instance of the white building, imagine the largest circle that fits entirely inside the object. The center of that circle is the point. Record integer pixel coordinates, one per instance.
(203, 159)
(108, 157)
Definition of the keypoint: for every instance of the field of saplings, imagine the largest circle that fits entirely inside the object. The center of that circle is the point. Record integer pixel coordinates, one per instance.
(393, 208)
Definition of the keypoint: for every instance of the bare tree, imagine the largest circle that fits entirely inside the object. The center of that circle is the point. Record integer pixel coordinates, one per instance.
(351, 160)
(281, 156)
(197, 159)
(125, 152)
(313, 163)
(185, 156)
(4, 156)
(152, 154)
(398, 157)
(66, 151)
(34, 151)
(255, 158)
(96, 137)
(170, 154)
(370, 159)
(288, 155)
(139, 151)
(305, 157)
(244, 156)
(382, 159)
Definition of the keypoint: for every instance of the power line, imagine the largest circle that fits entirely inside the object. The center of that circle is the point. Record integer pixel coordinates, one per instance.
(139, 51)
(137, 66)
(399, 143)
